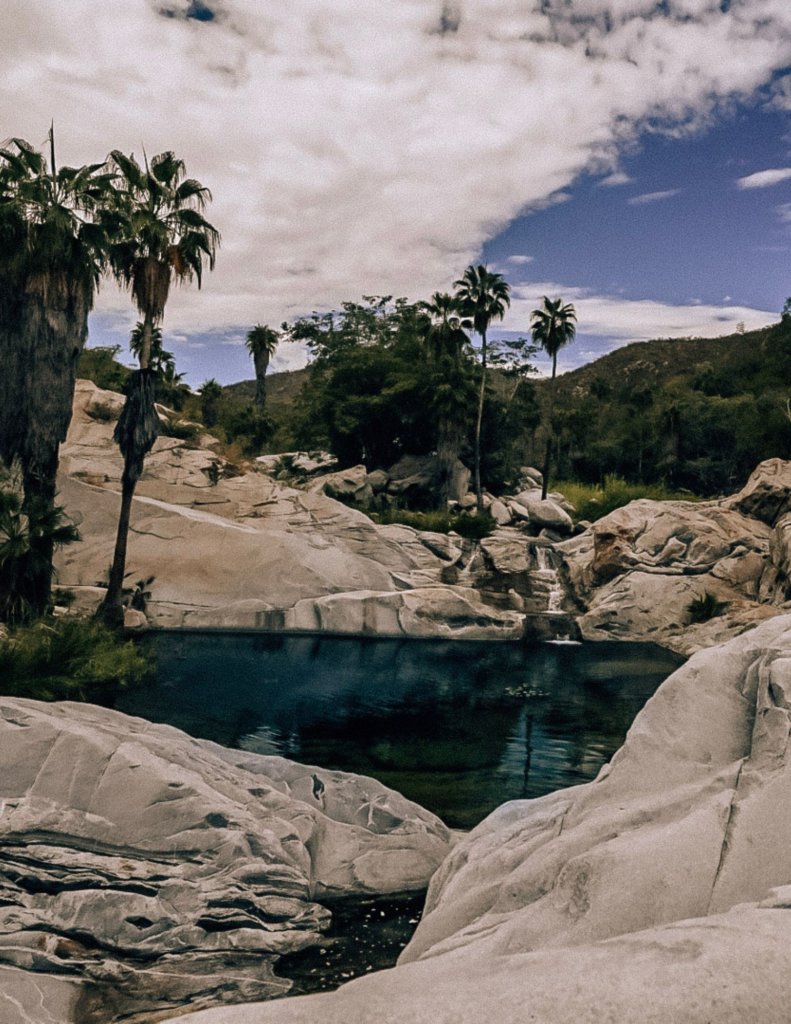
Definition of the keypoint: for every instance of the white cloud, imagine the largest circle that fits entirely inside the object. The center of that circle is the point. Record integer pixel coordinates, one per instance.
(520, 260)
(369, 147)
(653, 197)
(617, 321)
(764, 179)
(784, 212)
(614, 179)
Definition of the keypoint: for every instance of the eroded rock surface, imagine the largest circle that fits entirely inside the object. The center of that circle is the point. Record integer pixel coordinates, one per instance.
(637, 571)
(660, 892)
(173, 871)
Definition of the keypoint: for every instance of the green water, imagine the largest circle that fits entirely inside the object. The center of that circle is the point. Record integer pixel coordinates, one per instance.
(457, 727)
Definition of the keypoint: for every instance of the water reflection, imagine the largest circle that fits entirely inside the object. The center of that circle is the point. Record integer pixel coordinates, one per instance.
(459, 727)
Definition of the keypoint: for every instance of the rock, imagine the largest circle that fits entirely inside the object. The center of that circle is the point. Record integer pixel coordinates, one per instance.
(171, 868)
(378, 480)
(531, 477)
(637, 570)
(349, 483)
(299, 463)
(767, 494)
(660, 892)
(135, 619)
(544, 512)
(416, 479)
(448, 612)
(500, 513)
(775, 584)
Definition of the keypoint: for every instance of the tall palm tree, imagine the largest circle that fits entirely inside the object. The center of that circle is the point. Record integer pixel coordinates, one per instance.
(552, 327)
(448, 348)
(261, 343)
(164, 238)
(484, 296)
(52, 254)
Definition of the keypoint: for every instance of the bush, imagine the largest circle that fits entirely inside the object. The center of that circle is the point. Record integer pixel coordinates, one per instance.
(592, 502)
(471, 527)
(69, 659)
(701, 609)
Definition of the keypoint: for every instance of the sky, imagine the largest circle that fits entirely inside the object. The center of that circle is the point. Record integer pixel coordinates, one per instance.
(630, 156)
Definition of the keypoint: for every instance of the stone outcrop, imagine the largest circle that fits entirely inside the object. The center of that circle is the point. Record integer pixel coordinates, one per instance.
(247, 551)
(170, 871)
(659, 892)
(637, 571)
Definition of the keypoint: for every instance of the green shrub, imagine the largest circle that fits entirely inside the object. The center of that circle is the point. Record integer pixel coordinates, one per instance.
(473, 527)
(103, 412)
(592, 502)
(701, 609)
(182, 430)
(68, 659)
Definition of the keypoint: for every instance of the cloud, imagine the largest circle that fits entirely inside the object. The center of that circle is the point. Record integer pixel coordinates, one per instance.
(653, 197)
(764, 179)
(614, 179)
(612, 321)
(520, 260)
(369, 147)
(784, 212)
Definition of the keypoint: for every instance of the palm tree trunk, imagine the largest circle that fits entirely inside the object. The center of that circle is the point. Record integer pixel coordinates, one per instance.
(112, 609)
(261, 363)
(43, 328)
(478, 423)
(135, 433)
(550, 431)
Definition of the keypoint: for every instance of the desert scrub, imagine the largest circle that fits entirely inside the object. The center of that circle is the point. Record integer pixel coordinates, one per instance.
(592, 501)
(472, 527)
(69, 659)
(707, 606)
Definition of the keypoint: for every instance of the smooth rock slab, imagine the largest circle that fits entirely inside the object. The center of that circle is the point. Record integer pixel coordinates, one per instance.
(174, 868)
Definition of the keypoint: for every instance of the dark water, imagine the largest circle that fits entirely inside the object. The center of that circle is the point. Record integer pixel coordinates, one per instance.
(458, 727)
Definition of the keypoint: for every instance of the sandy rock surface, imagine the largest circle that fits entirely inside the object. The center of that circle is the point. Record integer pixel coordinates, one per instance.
(660, 892)
(176, 871)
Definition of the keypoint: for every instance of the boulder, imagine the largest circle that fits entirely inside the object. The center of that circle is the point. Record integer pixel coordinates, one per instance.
(351, 484)
(500, 513)
(638, 569)
(660, 892)
(544, 512)
(767, 494)
(172, 869)
(415, 478)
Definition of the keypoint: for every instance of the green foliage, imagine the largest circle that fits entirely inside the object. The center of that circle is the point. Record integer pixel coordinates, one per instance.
(29, 530)
(68, 659)
(210, 394)
(592, 501)
(184, 430)
(102, 367)
(693, 414)
(701, 609)
(103, 412)
(473, 527)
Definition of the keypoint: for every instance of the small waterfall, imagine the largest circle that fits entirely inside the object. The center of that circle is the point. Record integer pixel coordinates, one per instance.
(547, 572)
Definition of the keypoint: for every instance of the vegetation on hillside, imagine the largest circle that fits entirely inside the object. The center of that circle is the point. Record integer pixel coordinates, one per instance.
(694, 414)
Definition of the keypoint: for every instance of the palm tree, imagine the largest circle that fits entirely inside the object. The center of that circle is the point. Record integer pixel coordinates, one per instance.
(210, 393)
(449, 350)
(261, 344)
(483, 296)
(52, 254)
(165, 237)
(552, 327)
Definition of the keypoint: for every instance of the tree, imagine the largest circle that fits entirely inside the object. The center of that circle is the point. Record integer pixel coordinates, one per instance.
(53, 250)
(261, 344)
(163, 236)
(552, 327)
(210, 394)
(450, 365)
(483, 296)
